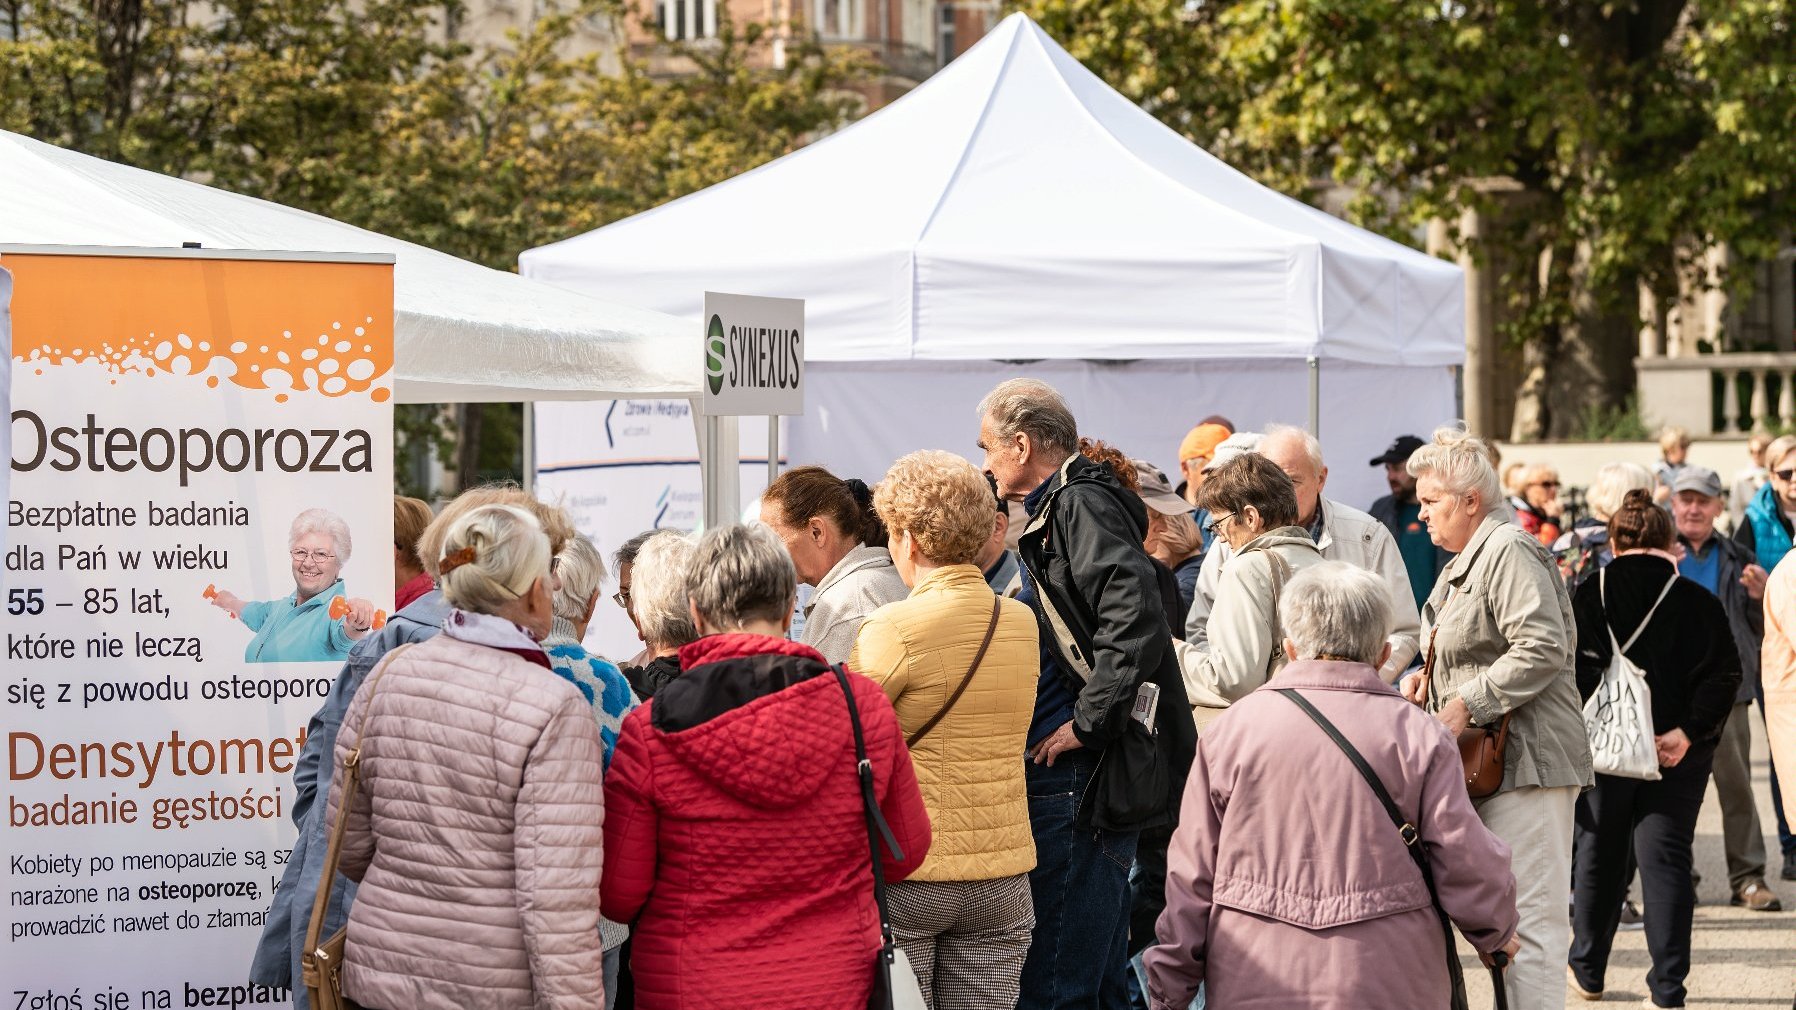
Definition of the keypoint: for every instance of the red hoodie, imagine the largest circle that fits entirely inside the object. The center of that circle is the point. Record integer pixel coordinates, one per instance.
(734, 839)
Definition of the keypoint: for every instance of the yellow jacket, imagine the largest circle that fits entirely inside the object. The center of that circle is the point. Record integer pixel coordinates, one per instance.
(1777, 674)
(971, 764)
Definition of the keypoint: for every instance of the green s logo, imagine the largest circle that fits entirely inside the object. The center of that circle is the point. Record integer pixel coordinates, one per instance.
(714, 352)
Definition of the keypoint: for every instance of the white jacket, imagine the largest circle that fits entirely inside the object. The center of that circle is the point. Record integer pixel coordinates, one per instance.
(1347, 535)
(862, 582)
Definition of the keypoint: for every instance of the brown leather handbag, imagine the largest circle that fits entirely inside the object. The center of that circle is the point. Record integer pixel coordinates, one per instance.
(321, 963)
(1481, 748)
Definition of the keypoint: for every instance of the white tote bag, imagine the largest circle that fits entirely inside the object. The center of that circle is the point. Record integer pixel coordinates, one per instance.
(1619, 716)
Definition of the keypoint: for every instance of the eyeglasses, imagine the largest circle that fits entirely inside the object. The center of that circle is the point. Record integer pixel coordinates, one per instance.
(316, 557)
(1214, 526)
(622, 598)
(1785, 475)
(1547, 483)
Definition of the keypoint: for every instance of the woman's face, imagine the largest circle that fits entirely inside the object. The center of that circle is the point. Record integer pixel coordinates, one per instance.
(315, 564)
(1783, 480)
(1542, 489)
(1451, 518)
(815, 545)
(1239, 528)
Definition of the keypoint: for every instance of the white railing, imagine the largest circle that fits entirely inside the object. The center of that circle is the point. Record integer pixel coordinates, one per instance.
(1703, 393)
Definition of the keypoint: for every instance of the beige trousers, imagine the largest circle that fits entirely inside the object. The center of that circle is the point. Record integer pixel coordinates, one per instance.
(1537, 825)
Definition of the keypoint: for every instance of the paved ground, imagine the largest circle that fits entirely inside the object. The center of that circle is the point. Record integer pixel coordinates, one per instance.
(1740, 958)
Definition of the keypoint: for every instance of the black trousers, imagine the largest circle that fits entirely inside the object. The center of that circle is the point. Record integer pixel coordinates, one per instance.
(1657, 822)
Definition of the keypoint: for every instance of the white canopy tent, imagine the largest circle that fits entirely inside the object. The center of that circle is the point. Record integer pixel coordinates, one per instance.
(463, 332)
(1014, 215)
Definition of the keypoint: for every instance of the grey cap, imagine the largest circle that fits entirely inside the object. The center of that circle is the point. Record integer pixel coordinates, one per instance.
(1234, 445)
(1700, 479)
(1156, 491)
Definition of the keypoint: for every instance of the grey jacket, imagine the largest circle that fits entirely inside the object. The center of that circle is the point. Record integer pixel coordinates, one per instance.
(276, 961)
(862, 582)
(1347, 535)
(1505, 644)
(1242, 650)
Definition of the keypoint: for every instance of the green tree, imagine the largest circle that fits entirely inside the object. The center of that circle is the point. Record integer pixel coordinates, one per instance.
(1638, 132)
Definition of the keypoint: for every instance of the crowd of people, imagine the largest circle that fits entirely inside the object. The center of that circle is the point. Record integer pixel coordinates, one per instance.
(1057, 731)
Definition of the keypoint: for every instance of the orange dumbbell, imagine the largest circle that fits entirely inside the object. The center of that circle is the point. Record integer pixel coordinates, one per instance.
(340, 606)
(211, 592)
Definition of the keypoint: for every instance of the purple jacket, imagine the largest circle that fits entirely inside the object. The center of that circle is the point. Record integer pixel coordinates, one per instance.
(1301, 894)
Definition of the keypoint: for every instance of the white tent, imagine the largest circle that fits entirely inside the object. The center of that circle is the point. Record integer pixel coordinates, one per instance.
(1015, 209)
(464, 333)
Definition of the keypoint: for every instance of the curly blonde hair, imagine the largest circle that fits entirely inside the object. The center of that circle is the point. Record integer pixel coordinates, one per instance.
(944, 503)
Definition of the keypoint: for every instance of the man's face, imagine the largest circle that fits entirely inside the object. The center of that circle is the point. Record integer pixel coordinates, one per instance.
(1288, 455)
(1695, 514)
(1403, 486)
(1005, 459)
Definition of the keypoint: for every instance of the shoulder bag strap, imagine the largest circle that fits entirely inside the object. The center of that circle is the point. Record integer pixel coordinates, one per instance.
(1412, 838)
(352, 766)
(1644, 621)
(1281, 573)
(877, 828)
(978, 657)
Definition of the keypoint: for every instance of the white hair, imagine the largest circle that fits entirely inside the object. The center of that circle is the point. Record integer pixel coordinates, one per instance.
(503, 550)
(322, 521)
(580, 569)
(1461, 462)
(1034, 408)
(658, 588)
(1612, 484)
(1312, 447)
(739, 574)
(1337, 609)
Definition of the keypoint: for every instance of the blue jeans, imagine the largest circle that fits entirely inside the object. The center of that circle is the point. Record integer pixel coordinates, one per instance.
(1078, 953)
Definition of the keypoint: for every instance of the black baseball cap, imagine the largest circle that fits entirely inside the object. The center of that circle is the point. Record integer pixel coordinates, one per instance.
(1399, 452)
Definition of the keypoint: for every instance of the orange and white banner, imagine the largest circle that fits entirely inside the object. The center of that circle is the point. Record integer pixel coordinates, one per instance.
(201, 448)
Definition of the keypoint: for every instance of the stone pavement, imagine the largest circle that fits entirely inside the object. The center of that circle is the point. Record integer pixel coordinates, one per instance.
(1739, 958)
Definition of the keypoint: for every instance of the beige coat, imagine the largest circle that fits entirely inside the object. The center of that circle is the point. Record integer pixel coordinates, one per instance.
(970, 765)
(476, 834)
(862, 582)
(1778, 675)
(1505, 645)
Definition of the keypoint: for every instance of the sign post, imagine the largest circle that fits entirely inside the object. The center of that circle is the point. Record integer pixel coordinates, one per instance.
(754, 364)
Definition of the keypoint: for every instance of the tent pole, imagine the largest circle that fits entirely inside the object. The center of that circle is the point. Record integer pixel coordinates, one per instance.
(529, 443)
(1315, 397)
(773, 448)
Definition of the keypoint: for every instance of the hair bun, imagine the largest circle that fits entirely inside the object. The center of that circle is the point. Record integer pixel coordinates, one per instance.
(863, 495)
(1636, 498)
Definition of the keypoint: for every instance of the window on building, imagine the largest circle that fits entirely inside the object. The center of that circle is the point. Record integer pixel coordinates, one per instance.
(837, 19)
(944, 35)
(685, 20)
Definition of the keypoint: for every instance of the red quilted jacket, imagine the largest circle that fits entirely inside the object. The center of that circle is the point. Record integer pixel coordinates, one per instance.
(734, 840)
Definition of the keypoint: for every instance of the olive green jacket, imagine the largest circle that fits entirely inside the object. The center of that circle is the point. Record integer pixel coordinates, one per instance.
(1505, 643)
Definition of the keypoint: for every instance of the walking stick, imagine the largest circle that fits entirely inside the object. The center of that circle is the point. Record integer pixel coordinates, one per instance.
(1499, 961)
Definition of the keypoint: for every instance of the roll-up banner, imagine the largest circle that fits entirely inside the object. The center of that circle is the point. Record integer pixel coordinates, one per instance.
(201, 484)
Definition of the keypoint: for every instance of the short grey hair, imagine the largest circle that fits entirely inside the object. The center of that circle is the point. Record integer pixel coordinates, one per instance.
(1612, 484)
(580, 569)
(506, 552)
(1034, 408)
(739, 574)
(1461, 462)
(626, 555)
(658, 589)
(322, 521)
(1311, 445)
(1337, 609)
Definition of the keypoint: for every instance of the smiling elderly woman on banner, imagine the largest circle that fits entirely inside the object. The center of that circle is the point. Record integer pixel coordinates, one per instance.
(299, 628)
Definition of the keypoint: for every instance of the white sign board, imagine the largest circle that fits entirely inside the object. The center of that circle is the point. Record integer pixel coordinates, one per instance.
(754, 356)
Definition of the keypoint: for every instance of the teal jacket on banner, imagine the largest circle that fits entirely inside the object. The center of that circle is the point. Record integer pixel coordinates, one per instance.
(286, 633)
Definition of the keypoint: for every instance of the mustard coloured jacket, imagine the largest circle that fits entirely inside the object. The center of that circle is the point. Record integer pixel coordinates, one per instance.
(970, 766)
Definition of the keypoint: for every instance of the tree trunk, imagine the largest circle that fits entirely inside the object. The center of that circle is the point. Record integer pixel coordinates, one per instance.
(1582, 363)
(468, 418)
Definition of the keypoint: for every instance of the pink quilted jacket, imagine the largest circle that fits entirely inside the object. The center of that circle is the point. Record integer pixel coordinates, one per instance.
(476, 835)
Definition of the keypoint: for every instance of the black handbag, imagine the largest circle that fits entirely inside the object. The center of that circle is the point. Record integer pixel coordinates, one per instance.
(1412, 841)
(894, 983)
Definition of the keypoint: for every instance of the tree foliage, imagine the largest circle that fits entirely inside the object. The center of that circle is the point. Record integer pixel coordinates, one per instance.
(368, 112)
(1628, 136)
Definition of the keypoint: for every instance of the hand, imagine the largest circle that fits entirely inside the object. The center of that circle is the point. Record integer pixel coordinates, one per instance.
(1058, 742)
(1455, 715)
(1511, 948)
(1414, 688)
(1672, 747)
(1554, 509)
(1662, 494)
(359, 619)
(1753, 578)
(229, 603)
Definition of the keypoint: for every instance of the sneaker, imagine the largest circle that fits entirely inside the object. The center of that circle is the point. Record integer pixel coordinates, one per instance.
(1757, 897)
(1631, 917)
(1587, 995)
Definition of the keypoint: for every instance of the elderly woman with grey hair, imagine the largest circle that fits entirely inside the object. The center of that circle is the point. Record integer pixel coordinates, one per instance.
(1498, 639)
(735, 842)
(300, 628)
(1254, 890)
(1584, 549)
(661, 609)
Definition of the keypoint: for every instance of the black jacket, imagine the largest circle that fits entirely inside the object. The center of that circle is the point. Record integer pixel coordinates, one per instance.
(1745, 615)
(1385, 511)
(1687, 651)
(648, 680)
(1083, 551)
